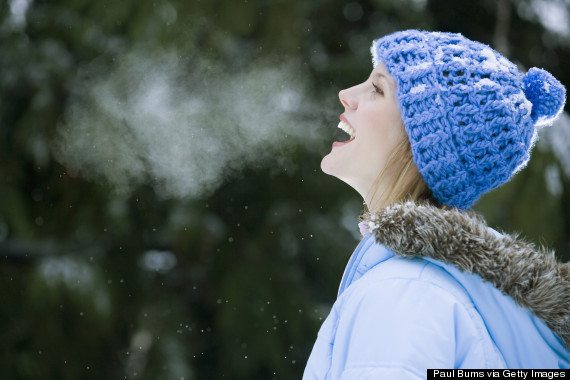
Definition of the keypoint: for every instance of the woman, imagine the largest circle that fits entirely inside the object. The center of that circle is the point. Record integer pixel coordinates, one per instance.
(440, 121)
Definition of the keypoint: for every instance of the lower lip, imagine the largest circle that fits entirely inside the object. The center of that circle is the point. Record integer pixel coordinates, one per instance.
(339, 143)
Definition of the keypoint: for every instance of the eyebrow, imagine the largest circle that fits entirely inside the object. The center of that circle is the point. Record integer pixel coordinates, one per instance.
(378, 75)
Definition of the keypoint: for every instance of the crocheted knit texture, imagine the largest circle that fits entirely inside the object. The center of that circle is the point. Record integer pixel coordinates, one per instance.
(464, 108)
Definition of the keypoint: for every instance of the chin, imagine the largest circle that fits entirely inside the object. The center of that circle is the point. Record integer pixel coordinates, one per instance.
(327, 166)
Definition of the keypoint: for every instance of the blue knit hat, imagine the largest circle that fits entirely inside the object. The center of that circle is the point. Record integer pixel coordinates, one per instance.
(470, 115)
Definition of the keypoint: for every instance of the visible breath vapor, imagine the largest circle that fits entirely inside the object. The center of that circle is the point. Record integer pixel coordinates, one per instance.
(184, 125)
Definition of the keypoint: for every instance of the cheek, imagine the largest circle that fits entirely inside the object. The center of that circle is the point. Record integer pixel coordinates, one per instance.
(378, 142)
(382, 141)
(376, 152)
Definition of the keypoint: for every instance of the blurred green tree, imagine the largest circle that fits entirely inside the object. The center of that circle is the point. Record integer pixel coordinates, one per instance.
(234, 283)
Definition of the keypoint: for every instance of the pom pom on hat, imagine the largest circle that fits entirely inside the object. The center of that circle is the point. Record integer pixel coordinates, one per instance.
(546, 94)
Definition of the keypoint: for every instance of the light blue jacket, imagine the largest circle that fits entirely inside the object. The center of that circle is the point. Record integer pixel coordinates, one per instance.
(395, 317)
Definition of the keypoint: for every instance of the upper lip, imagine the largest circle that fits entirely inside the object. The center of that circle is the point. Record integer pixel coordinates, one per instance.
(343, 118)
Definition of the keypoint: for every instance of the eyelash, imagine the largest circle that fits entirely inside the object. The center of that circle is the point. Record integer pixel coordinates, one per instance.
(377, 89)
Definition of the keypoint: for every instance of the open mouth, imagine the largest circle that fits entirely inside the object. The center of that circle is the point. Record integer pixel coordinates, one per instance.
(348, 129)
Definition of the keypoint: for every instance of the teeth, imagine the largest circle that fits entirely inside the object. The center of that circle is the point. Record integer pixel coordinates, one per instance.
(347, 128)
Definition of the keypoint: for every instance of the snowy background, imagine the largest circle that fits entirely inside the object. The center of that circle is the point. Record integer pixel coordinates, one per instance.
(162, 210)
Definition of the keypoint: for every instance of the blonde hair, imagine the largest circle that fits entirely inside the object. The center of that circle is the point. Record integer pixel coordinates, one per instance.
(408, 183)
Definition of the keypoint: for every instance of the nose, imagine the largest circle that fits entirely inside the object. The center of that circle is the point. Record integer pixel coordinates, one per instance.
(347, 99)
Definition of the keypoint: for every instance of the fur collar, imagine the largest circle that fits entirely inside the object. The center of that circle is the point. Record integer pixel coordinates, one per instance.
(532, 277)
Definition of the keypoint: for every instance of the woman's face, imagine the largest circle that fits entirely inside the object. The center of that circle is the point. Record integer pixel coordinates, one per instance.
(372, 118)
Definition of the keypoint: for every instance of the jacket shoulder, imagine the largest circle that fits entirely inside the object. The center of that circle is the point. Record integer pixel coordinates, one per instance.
(412, 311)
(402, 270)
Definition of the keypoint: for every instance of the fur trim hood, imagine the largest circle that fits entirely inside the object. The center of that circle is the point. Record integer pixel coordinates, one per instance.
(532, 277)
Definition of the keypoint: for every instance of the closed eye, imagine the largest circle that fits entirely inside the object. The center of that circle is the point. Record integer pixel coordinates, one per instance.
(378, 89)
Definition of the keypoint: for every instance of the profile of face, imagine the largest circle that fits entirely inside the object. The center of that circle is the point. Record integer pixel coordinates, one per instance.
(372, 119)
